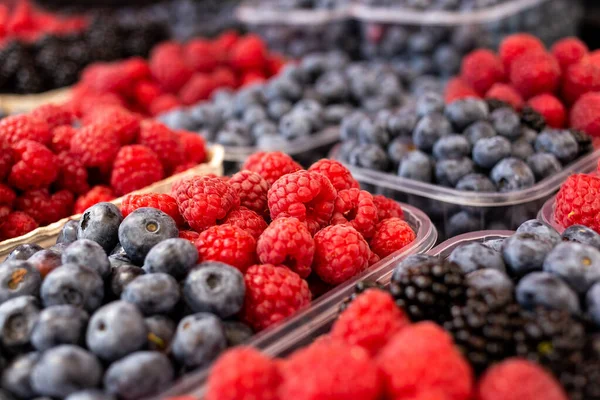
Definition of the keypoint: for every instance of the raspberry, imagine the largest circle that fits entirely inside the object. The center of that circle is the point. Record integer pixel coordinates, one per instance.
(35, 166)
(356, 208)
(189, 235)
(370, 321)
(61, 138)
(373, 258)
(44, 208)
(16, 224)
(54, 115)
(339, 176)
(514, 46)
(427, 395)
(198, 88)
(183, 167)
(498, 383)
(457, 89)
(330, 370)
(585, 114)
(569, 51)
(7, 195)
(287, 242)
(193, 147)
(163, 104)
(243, 373)
(481, 69)
(387, 208)
(535, 73)
(594, 58)
(168, 67)
(204, 200)
(136, 69)
(228, 244)
(72, 175)
(340, 254)
(579, 79)
(308, 196)
(135, 167)
(224, 78)
(224, 43)
(391, 235)
(248, 220)
(162, 141)
(578, 202)
(6, 160)
(124, 123)
(97, 194)
(145, 93)
(550, 108)
(252, 77)
(200, 55)
(24, 126)
(95, 145)
(273, 292)
(162, 202)
(271, 165)
(505, 93)
(106, 78)
(4, 213)
(252, 190)
(422, 357)
(248, 53)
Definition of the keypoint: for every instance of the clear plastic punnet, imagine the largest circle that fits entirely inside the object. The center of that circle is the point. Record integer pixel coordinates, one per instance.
(445, 248)
(546, 215)
(317, 319)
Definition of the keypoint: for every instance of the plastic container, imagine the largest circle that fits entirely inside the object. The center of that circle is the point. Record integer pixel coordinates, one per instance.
(546, 215)
(285, 337)
(445, 248)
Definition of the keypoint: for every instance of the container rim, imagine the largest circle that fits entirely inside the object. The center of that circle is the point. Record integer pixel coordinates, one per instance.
(445, 248)
(248, 13)
(546, 214)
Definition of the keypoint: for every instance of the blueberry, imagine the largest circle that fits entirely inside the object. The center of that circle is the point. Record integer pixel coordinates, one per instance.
(525, 252)
(294, 126)
(593, 303)
(373, 133)
(110, 325)
(479, 130)
(560, 143)
(416, 165)
(232, 138)
(178, 119)
(139, 375)
(264, 128)
(411, 261)
(541, 229)
(512, 174)
(18, 278)
(4, 395)
(428, 103)
(118, 260)
(578, 264)
(421, 42)
(152, 293)
(24, 251)
(100, 223)
(528, 135)
(349, 127)
(399, 148)
(205, 115)
(253, 115)
(283, 88)
(495, 286)
(402, 123)
(237, 333)
(143, 229)
(277, 108)
(332, 87)
(87, 253)
(45, 261)
(451, 147)
(369, 156)
(56, 325)
(475, 256)
(465, 112)
(175, 257)
(520, 148)
(487, 152)
(582, 234)
(90, 394)
(547, 290)
(68, 234)
(73, 284)
(58, 248)
(475, 183)
(312, 111)
(216, 288)
(463, 222)
(506, 122)
(450, 172)
(64, 370)
(429, 130)
(335, 113)
(15, 377)
(161, 330)
(199, 339)
(447, 60)
(17, 319)
(495, 244)
(543, 165)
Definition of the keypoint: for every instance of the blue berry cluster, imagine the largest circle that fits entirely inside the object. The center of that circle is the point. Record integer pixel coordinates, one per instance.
(124, 310)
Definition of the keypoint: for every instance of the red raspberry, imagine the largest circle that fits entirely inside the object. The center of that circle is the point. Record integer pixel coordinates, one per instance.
(200, 55)
(339, 176)
(163, 142)
(287, 242)
(106, 78)
(481, 69)
(550, 108)
(163, 104)
(373, 258)
(198, 88)
(370, 321)
(579, 79)
(189, 235)
(136, 69)
(426, 395)
(135, 167)
(514, 46)
(505, 93)
(330, 370)
(271, 165)
(61, 138)
(422, 357)
(498, 383)
(224, 77)
(585, 114)
(145, 93)
(248, 53)
(96, 145)
(391, 235)
(535, 73)
(243, 373)
(7, 195)
(578, 202)
(125, 124)
(16, 224)
(224, 43)
(6, 160)
(72, 175)
(43, 207)
(168, 67)
(275, 64)
(183, 167)
(204, 200)
(308, 196)
(569, 51)
(252, 190)
(273, 292)
(228, 244)
(162, 202)
(387, 208)
(54, 115)
(24, 126)
(248, 220)
(35, 166)
(97, 194)
(4, 213)
(457, 89)
(251, 78)
(193, 147)
(356, 208)
(594, 58)
(340, 254)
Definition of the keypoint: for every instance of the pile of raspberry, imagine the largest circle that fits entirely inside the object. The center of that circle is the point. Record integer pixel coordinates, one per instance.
(178, 74)
(562, 84)
(55, 162)
(374, 352)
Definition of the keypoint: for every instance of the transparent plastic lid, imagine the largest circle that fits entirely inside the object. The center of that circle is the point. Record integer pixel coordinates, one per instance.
(445, 248)
(252, 12)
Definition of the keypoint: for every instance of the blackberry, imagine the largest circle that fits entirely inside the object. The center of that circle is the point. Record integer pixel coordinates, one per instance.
(584, 382)
(584, 141)
(533, 119)
(494, 104)
(428, 290)
(27, 79)
(360, 288)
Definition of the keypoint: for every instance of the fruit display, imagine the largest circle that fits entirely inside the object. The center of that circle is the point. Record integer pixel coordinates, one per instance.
(178, 74)
(55, 163)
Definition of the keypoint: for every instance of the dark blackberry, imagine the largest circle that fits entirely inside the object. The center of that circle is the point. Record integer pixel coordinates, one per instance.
(28, 79)
(533, 119)
(12, 57)
(360, 287)
(584, 382)
(429, 290)
(49, 57)
(494, 104)
(584, 141)
(76, 50)
(66, 74)
(103, 39)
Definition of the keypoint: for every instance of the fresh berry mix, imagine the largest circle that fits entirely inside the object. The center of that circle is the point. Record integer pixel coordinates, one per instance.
(55, 164)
